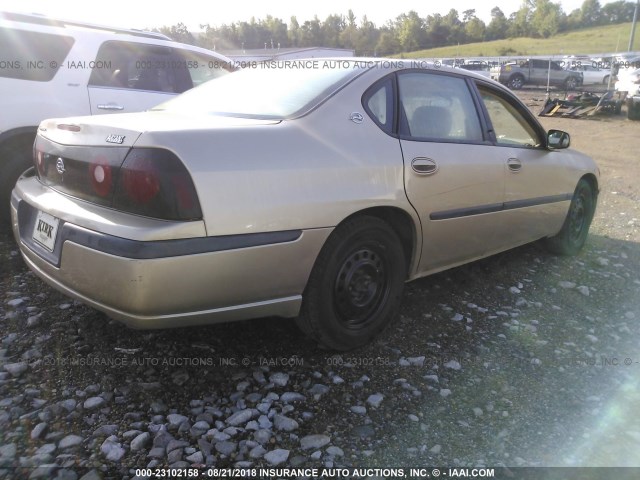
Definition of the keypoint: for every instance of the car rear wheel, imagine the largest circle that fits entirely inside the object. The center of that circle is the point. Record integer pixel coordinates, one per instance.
(516, 82)
(571, 83)
(355, 285)
(573, 235)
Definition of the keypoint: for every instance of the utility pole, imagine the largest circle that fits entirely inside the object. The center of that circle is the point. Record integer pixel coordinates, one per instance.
(633, 26)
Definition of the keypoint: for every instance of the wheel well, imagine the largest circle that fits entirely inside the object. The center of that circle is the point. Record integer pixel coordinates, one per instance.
(593, 181)
(12, 165)
(401, 222)
(24, 139)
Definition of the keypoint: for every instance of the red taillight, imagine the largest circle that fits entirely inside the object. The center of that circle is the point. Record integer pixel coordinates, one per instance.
(80, 171)
(141, 180)
(101, 177)
(184, 191)
(154, 183)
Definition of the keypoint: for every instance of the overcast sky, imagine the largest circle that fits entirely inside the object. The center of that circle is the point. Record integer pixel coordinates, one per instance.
(156, 13)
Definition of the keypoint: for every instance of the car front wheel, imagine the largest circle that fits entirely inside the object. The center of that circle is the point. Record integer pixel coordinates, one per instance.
(573, 235)
(355, 285)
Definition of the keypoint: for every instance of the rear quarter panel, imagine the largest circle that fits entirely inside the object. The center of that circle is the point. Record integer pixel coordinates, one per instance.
(305, 173)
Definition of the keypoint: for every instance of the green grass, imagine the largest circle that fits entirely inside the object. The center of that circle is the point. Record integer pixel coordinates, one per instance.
(606, 39)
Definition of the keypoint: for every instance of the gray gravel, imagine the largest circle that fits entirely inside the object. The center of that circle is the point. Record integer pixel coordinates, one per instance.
(523, 359)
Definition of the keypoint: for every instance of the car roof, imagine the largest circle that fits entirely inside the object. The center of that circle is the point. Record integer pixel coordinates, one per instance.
(35, 19)
(42, 23)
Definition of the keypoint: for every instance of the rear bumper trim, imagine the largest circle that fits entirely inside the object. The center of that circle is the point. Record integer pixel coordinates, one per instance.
(140, 250)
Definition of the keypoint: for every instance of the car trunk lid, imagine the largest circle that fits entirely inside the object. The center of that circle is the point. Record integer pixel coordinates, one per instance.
(96, 159)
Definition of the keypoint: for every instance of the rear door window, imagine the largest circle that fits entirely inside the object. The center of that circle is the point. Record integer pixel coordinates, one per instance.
(437, 107)
(32, 55)
(139, 66)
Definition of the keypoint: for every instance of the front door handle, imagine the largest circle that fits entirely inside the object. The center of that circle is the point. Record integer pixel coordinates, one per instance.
(514, 164)
(110, 106)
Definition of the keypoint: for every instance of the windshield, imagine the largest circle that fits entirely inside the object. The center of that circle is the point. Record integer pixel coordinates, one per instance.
(273, 90)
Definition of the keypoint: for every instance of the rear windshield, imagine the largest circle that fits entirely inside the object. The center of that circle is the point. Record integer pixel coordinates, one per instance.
(274, 91)
(31, 55)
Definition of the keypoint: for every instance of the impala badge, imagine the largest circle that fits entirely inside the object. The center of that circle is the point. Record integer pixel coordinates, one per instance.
(113, 138)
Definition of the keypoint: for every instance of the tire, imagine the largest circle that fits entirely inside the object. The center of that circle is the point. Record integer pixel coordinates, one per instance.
(14, 161)
(573, 235)
(355, 285)
(633, 110)
(618, 108)
(571, 83)
(516, 82)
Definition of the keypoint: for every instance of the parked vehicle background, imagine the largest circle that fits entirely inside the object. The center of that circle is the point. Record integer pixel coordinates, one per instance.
(535, 72)
(480, 67)
(592, 75)
(55, 68)
(628, 85)
(629, 82)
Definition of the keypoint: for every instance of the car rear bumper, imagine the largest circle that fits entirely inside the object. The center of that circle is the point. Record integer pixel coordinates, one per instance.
(172, 283)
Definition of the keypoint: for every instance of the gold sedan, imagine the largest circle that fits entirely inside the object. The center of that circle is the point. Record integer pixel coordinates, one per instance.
(311, 190)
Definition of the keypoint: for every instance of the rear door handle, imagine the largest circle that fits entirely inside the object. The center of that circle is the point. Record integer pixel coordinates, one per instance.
(514, 164)
(110, 106)
(424, 166)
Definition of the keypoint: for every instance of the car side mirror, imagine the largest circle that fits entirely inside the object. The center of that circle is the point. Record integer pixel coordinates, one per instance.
(558, 139)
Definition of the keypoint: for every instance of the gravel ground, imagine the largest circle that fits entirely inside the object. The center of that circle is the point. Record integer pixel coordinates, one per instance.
(522, 359)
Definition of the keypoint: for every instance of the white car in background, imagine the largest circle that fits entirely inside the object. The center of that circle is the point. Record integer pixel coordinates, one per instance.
(592, 75)
(629, 82)
(481, 68)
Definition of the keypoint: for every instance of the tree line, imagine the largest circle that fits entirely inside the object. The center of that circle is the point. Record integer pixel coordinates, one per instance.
(408, 32)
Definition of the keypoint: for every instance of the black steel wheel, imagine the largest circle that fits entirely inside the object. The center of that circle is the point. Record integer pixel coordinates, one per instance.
(355, 285)
(361, 286)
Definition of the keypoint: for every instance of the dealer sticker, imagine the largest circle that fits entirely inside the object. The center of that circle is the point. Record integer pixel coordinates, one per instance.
(45, 230)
